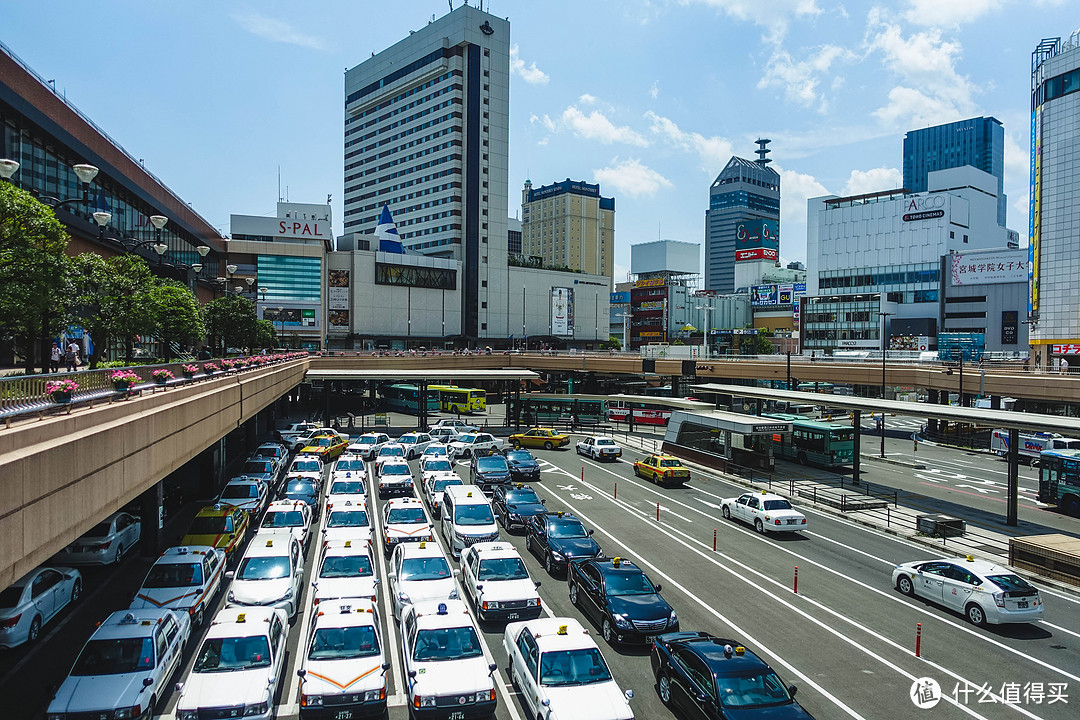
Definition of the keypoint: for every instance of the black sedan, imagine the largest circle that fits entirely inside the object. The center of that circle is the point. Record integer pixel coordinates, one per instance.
(558, 538)
(514, 505)
(489, 472)
(703, 676)
(621, 599)
(523, 465)
(306, 491)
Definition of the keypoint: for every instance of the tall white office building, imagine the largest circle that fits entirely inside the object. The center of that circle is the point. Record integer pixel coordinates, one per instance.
(426, 134)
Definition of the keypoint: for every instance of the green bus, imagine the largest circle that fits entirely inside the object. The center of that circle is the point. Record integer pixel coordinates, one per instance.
(1059, 479)
(406, 398)
(814, 442)
(455, 399)
(546, 409)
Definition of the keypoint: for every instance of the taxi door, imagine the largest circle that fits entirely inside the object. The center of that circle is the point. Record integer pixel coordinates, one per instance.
(590, 592)
(931, 581)
(526, 662)
(957, 586)
(751, 508)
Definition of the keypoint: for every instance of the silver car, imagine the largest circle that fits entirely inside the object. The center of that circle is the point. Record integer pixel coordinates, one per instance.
(33, 600)
(105, 543)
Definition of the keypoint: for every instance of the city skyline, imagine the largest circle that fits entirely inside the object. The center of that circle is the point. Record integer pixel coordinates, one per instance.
(229, 94)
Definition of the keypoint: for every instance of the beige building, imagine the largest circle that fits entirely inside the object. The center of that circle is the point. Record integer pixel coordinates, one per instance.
(569, 225)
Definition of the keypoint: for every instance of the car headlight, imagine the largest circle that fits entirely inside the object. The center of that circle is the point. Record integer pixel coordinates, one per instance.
(180, 715)
(256, 709)
(621, 622)
(557, 556)
(532, 602)
(286, 596)
(426, 701)
(230, 597)
(673, 618)
(485, 696)
(373, 695)
(453, 594)
(126, 713)
(403, 599)
(56, 716)
(311, 700)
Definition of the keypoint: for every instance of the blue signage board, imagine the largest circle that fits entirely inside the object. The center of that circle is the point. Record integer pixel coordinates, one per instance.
(954, 346)
(620, 298)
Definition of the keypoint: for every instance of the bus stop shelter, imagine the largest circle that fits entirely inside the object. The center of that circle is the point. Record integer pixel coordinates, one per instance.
(686, 430)
(1009, 420)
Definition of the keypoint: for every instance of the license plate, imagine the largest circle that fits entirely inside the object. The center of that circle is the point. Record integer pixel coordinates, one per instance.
(650, 639)
(515, 616)
(343, 715)
(1021, 604)
(792, 522)
(456, 715)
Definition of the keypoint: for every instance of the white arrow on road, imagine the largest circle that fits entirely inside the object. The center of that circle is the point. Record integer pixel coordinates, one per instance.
(982, 490)
(712, 505)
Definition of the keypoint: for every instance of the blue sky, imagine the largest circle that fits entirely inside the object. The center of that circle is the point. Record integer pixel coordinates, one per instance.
(648, 97)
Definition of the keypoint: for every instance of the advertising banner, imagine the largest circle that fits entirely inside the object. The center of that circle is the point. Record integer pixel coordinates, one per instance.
(650, 282)
(757, 239)
(1034, 210)
(562, 311)
(989, 268)
(763, 295)
(337, 290)
(1066, 349)
(1010, 326)
(784, 294)
(796, 315)
(620, 298)
(338, 319)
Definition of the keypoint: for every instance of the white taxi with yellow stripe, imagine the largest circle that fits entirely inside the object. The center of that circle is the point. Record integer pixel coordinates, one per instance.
(404, 520)
(344, 663)
(185, 578)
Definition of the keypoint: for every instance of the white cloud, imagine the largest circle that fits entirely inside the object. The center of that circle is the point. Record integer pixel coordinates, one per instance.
(799, 79)
(586, 99)
(277, 30)
(529, 73)
(714, 151)
(1017, 175)
(596, 126)
(654, 91)
(544, 120)
(874, 180)
(631, 178)
(795, 189)
(952, 13)
(763, 12)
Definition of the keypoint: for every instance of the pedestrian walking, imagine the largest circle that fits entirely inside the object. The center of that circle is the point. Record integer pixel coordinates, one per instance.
(71, 356)
(54, 356)
(1064, 366)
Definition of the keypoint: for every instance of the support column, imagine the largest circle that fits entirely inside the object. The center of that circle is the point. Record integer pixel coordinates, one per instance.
(933, 399)
(675, 386)
(326, 403)
(517, 407)
(422, 408)
(856, 421)
(995, 402)
(151, 508)
(1013, 481)
(727, 444)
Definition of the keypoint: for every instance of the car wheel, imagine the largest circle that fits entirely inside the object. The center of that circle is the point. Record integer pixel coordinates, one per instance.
(607, 630)
(198, 619)
(904, 585)
(35, 629)
(726, 512)
(119, 553)
(548, 445)
(573, 594)
(548, 565)
(76, 591)
(975, 614)
(759, 526)
(802, 458)
(663, 689)
(528, 543)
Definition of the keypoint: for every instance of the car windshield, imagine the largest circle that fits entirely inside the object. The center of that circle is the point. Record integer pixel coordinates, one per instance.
(233, 653)
(115, 657)
(352, 465)
(347, 487)
(344, 643)
(174, 575)
(268, 452)
(339, 566)
(605, 441)
(438, 466)
(208, 525)
(670, 463)
(407, 440)
(392, 452)
(306, 465)
(524, 496)
(573, 667)
(367, 440)
(438, 450)
(10, 597)
(406, 516)
(424, 568)
(492, 463)
(396, 469)
(264, 568)
(240, 492)
(634, 583)
(441, 484)
(301, 487)
(473, 515)
(323, 442)
(347, 518)
(257, 467)
(565, 529)
(284, 519)
(446, 644)
(752, 690)
(467, 439)
(1011, 583)
(519, 456)
(511, 568)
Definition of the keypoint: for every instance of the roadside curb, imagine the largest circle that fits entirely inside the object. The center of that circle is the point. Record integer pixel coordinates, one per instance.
(890, 461)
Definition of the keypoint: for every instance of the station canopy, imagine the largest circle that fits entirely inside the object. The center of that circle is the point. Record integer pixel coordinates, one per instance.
(430, 376)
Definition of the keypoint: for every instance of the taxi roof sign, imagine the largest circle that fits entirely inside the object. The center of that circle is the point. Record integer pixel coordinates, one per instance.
(562, 630)
(242, 617)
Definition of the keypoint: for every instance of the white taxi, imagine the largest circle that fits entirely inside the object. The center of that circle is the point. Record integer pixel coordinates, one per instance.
(348, 465)
(479, 443)
(404, 521)
(248, 494)
(561, 673)
(344, 663)
(183, 578)
(345, 569)
(395, 479)
(125, 666)
(389, 451)
(346, 521)
(353, 488)
(419, 572)
(368, 445)
(434, 488)
(450, 675)
(495, 579)
(271, 573)
(415, 443)
(292, 516)
(239, 667)
(434, 450)
(306, 464)
(433, 467)
(984, 592)
(599, 447)
(765, 511)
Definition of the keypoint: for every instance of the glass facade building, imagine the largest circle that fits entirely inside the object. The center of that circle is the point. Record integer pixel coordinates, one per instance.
(979, 142)
(744, 190)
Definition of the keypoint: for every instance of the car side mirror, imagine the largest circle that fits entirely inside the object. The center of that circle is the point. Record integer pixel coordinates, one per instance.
(456, 572)
(385, 667)
(537, 584)
(179, 687)
(792, 690)
(657, 587)
(492, 668)
(590, 532)
(147, 682)
(480, 586)
(230, 574)
(301, 673)
(629, 694)
(546, 702)
(412, 674)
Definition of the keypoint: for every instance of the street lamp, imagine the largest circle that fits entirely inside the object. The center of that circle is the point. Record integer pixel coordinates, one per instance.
(708, 324)
(281, 318)
(626, 328)
(883, 315)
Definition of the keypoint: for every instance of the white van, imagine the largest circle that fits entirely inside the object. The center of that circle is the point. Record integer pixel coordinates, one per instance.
(467, 518)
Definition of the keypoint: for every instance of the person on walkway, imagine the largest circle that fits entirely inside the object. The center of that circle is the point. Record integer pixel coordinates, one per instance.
(54, 356)
(1064, 366)
(71, 356)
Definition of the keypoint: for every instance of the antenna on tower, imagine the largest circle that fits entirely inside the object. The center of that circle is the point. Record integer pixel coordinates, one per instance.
(279, 183)
(762, 151)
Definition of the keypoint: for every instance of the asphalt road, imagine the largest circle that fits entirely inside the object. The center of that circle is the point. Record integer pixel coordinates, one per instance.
(846, 639)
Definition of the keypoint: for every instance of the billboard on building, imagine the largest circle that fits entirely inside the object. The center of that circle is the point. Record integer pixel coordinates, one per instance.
(337, 319)
(757, 239)
(650, 282)
(1034, 208)
(562, 311)
(672, 255)
(620, 298)
(988, 268)
(1010, 327)
(337, 283)
(764, 295)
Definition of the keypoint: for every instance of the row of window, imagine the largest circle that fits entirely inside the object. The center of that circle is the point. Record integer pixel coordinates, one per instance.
(429, 231)
(413, 276)
(405, 108)
(402, 198)
(1063, 84)
(838, 334)
(406, 133)
(404, 158)
(404, 146)
(745, 199)
(878, 277)
(401, 96)
(401, 72)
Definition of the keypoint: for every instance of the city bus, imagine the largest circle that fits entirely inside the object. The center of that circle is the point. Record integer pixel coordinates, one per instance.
(455, 399)
(650, 410)
(814, 442)
(541, 409)
(1059, 479)
(406, 398)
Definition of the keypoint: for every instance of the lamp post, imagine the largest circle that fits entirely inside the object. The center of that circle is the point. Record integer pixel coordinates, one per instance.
(708, 324)
(281, 319)
(884, 339)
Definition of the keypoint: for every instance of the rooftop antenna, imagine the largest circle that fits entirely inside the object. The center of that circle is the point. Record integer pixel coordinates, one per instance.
(762, 151)
(279, 183)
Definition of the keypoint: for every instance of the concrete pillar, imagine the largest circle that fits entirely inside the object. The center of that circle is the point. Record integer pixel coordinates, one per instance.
(675, 386)
(153, 518)
(995, 402)
(934, 399)
(856, 422)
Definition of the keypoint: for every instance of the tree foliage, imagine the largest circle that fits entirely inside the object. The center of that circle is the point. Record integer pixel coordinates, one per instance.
(114, 300)
(231, 321)
(177, 315)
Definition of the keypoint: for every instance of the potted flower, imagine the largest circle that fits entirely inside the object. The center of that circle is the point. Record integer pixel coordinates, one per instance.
(60, 390)
(162, 376)
(228, 364)
(189, 370)
(210, 368)
(122, 380)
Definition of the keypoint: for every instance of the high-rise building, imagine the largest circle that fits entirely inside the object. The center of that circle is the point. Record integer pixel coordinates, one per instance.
(1053, 224)
(569, 225)
(979, 142)
(742, 224)
(426, 134)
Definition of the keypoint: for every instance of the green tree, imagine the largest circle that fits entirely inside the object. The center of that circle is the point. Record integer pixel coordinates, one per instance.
(613, 343)
(177, 315)
(231, 321)
(114, 300)
(265, 335)
(33, 273)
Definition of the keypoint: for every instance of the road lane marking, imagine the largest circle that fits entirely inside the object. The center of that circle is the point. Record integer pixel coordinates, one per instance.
(1058, 627)
(400, 697)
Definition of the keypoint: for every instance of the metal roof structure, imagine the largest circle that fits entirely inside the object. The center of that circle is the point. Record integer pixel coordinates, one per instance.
(430, 375)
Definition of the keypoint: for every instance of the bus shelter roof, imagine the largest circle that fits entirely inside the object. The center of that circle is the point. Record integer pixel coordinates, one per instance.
(656, 400)
(1005, 419)
(737, 423)
(432, 376)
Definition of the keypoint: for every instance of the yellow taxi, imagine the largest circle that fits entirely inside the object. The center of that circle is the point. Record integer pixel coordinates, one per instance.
(219, 526)
(327, 447)
(662, 469)
(539, 437)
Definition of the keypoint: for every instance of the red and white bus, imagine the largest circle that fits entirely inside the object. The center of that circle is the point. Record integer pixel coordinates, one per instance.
(649, 410)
